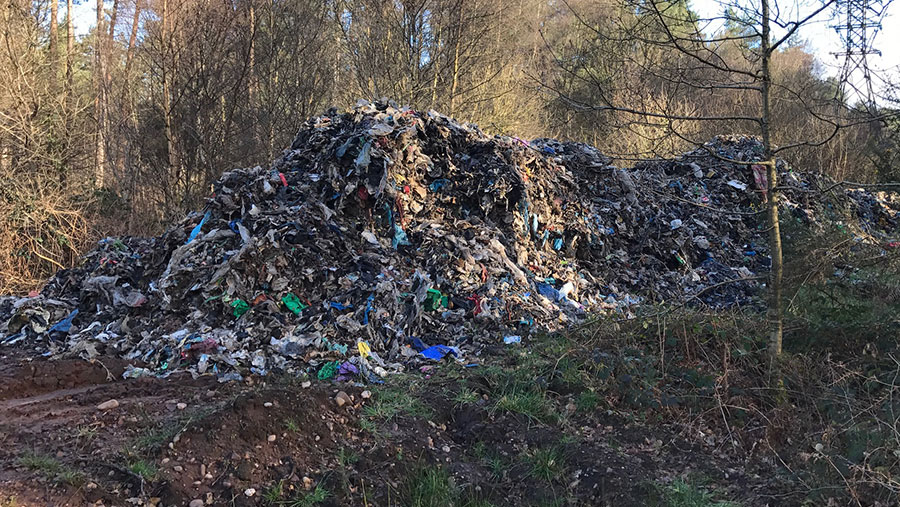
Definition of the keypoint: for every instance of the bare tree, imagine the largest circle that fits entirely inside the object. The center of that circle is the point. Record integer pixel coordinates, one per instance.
(54, 37)
(663, 45)
(70, 48)
(99, 100)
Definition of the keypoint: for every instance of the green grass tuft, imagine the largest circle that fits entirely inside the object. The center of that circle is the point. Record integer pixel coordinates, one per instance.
(315, 497)
(683, 494)
(51, 468)
(465, 396)
(393, 401)
(39, 463)
(273, 494)
(491, 459)
(547, 463)
(346, 457)
(144, 469)
(587, 401)
(530, 403)
(429, 487)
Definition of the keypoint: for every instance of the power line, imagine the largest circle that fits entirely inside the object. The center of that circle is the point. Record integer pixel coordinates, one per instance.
(860, 23)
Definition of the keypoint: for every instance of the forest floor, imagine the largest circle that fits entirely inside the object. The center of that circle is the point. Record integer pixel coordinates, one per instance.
(531, 425)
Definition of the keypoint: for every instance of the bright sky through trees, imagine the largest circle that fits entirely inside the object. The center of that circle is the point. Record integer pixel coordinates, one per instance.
(823, 40)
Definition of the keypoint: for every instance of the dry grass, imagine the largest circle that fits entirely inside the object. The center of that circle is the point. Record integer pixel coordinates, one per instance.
(41, 231)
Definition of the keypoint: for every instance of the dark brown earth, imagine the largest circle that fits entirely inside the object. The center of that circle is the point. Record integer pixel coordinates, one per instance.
(228, 438)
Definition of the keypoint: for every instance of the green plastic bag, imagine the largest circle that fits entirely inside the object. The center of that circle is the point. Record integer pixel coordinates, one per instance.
(293, 303)
(434, 300)
(240, 307)
(328, 370)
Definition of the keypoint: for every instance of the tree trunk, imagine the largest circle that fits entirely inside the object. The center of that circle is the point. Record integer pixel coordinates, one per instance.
(455, 82)
(132, 39)
(776, 310)
(435, 68)
(70, 48)
(54, 39)
(112, 21)
(251, 79)
(99, 105)
(167, 92)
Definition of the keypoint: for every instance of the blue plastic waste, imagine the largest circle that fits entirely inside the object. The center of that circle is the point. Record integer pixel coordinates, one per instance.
(400, 237)
(65, 324)
(438, 352)
(438, 184)
(369, 308)
(196, 230)
(548, 291)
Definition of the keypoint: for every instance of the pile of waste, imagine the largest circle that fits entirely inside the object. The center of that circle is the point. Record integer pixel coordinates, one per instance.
(385, 236)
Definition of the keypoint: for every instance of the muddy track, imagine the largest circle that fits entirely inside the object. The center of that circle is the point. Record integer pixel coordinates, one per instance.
(176, 440)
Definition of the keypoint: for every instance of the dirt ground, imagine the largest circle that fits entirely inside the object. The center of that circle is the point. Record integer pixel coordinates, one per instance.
(277, 441)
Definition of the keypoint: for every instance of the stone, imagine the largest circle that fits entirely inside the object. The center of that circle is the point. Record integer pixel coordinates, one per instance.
(108, 405)
(245, 471)
(342, 399)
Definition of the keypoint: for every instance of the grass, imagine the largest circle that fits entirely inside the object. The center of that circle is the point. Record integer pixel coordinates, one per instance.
(429, 487)
(71, 477)
(465, 396)
(346, 457)
(273, 495)
(51, 468)
(39, 463)
(368, 425)
(491, 459)
(85, 433)
(314, 497)
(684, 494)
(291, 425)
(587, 401)
(546, 463)
(530, 403)
(476, 502)
(155, 438)
(433, 487)
(396, 400)
(144, 469)
(523, 387)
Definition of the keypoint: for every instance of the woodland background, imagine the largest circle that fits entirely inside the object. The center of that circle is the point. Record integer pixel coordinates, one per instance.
(122, 130)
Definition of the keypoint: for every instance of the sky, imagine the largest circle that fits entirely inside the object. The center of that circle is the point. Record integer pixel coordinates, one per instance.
(823, 41)
(821, 38)
(85, 17)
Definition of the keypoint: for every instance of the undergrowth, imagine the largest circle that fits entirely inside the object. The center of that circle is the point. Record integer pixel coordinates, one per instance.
(681, 493)
(431, 486)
